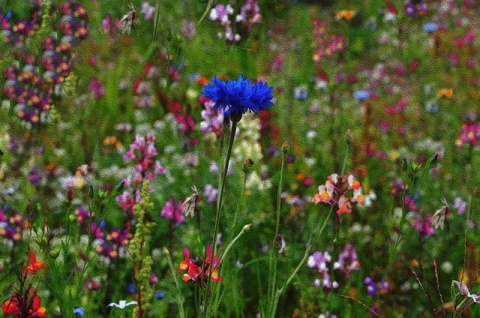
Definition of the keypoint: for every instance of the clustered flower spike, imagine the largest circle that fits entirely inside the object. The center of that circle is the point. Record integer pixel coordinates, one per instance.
(374, 288)
(248, 16)
(326, 46)
(237, 97)
(347, 261)
(197, 271)
(33, 79)
(470, 134)
(14, 305)
(335, 191)
(11, 224)
(142, 152)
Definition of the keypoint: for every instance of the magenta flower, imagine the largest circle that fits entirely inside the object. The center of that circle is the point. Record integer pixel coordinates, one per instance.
(96, 87)
(172, 213)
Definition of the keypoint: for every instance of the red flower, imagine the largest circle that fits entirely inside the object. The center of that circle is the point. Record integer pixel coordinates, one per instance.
(36, 310)
(195, 272)
(11, 306)
(34, 264)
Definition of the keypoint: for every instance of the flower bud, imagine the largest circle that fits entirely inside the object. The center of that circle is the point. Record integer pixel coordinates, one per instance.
(247, 227)
(90, 192)
(54, 254)
(348, 137)
(286, 147)
(247, 165)
(404, 164)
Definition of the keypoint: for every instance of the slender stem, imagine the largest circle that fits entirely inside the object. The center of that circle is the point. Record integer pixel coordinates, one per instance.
(209, 5)
(217, 217)
(224, 181)
(179, 297)
(320, 231)
(281, 290)
(229, 246)
(239, 206)
(272, 264)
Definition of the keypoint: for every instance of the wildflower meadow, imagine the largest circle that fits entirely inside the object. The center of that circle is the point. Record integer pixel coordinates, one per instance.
(240, 158)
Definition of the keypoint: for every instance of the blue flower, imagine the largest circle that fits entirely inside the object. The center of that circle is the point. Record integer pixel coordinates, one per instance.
(361, 95)
(237, 97)
(131, 288)
(160, 295)
(79, 310)
(430, 27)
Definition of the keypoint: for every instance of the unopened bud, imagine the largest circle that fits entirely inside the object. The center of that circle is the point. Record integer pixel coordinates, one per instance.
(404, 164)
(433, 160)
(90, 192)
(247, 227)
(348, 137)
(102, 195)
(54, 254)
(247, 165)
(286, 147)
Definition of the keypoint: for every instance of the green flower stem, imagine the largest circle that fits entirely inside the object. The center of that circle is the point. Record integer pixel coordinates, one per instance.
(174, 274)
(222, 187)
(245, 229)
(289, 280)
(272, 264)
(239, 206)
(209, 5)
(219, 207)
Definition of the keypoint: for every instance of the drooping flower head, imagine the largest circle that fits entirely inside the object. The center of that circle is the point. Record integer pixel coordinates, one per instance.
(237, 97)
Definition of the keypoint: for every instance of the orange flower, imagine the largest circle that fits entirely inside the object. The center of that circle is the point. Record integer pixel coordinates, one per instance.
(345, 14)
(34, 265)
(445, 92)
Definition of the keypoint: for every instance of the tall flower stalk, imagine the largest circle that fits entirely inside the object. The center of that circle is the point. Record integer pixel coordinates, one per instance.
(235, 98)
(142, 261)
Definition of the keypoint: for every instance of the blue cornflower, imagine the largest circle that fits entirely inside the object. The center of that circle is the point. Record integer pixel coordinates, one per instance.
(237, 97)
(79, 310)
(361, 95)
(430, 27)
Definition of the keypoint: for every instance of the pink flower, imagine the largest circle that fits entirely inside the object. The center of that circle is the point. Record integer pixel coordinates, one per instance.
(174, 214)
(96, 86)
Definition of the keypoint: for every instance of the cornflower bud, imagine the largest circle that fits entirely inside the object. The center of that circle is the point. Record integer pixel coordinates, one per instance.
(286, 147)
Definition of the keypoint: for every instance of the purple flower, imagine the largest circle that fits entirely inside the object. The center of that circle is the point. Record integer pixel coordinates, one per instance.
(96, 86)
(460, 205)
(148, 10)
(174, 214)
(211, 193)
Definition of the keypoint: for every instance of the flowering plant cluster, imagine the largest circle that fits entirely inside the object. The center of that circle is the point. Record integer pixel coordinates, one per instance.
(35, 78)
(469, 135)
(249, 14)
(200, 272)
(11, 224)
(142, 152)
(374, 288)
(25, 302)
(326, 46)
(347, 262)
(335, 192)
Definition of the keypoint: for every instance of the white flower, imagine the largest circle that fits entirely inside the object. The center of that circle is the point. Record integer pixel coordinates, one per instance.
(122, 304)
